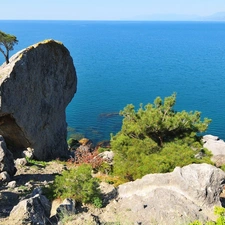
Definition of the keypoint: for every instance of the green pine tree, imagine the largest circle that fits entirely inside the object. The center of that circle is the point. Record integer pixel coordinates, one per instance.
(156, 138)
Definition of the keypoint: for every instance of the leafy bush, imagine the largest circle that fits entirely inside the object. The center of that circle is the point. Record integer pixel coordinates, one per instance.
(78, 184)
(222, 167)
(105, 168)
(72, 142)
(156, 139)
(110, 179)
(97, 202)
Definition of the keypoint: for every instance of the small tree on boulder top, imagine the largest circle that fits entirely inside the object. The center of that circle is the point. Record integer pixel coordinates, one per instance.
(7, 41)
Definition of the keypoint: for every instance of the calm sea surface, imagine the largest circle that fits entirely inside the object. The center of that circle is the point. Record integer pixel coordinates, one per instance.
(133, 62)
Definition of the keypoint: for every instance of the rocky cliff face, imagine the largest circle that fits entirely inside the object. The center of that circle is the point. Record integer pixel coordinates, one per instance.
(36, 86)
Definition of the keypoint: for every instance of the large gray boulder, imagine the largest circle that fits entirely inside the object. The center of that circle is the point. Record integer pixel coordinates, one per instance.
(35, 88)
(179, 197)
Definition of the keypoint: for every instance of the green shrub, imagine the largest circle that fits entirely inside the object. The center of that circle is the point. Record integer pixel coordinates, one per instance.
(220, 211)
(78, 184)
(105, 168)
(222, 167)
(156, 139)
(71, 142)
(97, 202)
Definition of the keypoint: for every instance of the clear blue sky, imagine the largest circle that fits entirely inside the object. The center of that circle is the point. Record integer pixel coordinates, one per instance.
(104, 9)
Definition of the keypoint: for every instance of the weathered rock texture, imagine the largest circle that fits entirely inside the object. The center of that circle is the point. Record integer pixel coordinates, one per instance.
(36, 86)
(6, 161)
(33, 210)
(185, 195)
(217, 147)
(175, 198)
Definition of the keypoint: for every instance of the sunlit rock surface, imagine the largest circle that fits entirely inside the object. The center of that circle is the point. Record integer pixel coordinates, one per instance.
(35, 88)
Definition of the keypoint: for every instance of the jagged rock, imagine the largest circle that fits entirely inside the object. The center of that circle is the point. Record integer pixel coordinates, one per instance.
(84, 148)
(217, 147)
(29, 153)
(4, 177)
(11, 184)
(214, 144)
(6, 159)
(33, 210)
(29, 185)
(8, 200)
(20, 162)
(209, 137)
(85, 141)
(61, 210)
(85, 145)
(67, 207)
(184, 195)
(36, 86)
(107, 156)
(109, 192)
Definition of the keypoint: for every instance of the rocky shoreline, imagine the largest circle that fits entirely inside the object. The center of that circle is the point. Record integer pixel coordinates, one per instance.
(184, 195)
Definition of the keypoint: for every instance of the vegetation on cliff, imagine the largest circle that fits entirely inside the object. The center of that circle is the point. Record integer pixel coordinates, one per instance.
(78, 184)
(220, 212)
(7, 41)
(156, 139)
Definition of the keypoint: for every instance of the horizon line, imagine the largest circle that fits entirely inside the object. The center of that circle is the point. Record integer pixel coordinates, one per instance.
(115, 20)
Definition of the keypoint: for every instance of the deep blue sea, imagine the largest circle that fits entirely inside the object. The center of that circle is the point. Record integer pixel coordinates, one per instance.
(118, 63)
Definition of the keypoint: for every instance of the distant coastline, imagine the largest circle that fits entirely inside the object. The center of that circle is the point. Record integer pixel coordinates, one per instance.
(219, 16)
(216, 17)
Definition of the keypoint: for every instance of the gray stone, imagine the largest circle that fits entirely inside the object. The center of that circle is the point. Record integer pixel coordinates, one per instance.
(210, 137)
(184, 195)
(33, 210)
(29, 153)
(107, 156)
(214, 144)
(36, 86)
(6, 159)
(11, 184)
(67, 207)
(4, 176)
(20, 162)
(217, 147)
(8, 200)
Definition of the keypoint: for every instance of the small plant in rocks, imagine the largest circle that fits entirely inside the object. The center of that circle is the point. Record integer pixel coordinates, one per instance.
(78, 184)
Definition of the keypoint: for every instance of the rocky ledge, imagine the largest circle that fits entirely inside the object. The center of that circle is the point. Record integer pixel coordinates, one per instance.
(182, 196)
(187, 194)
